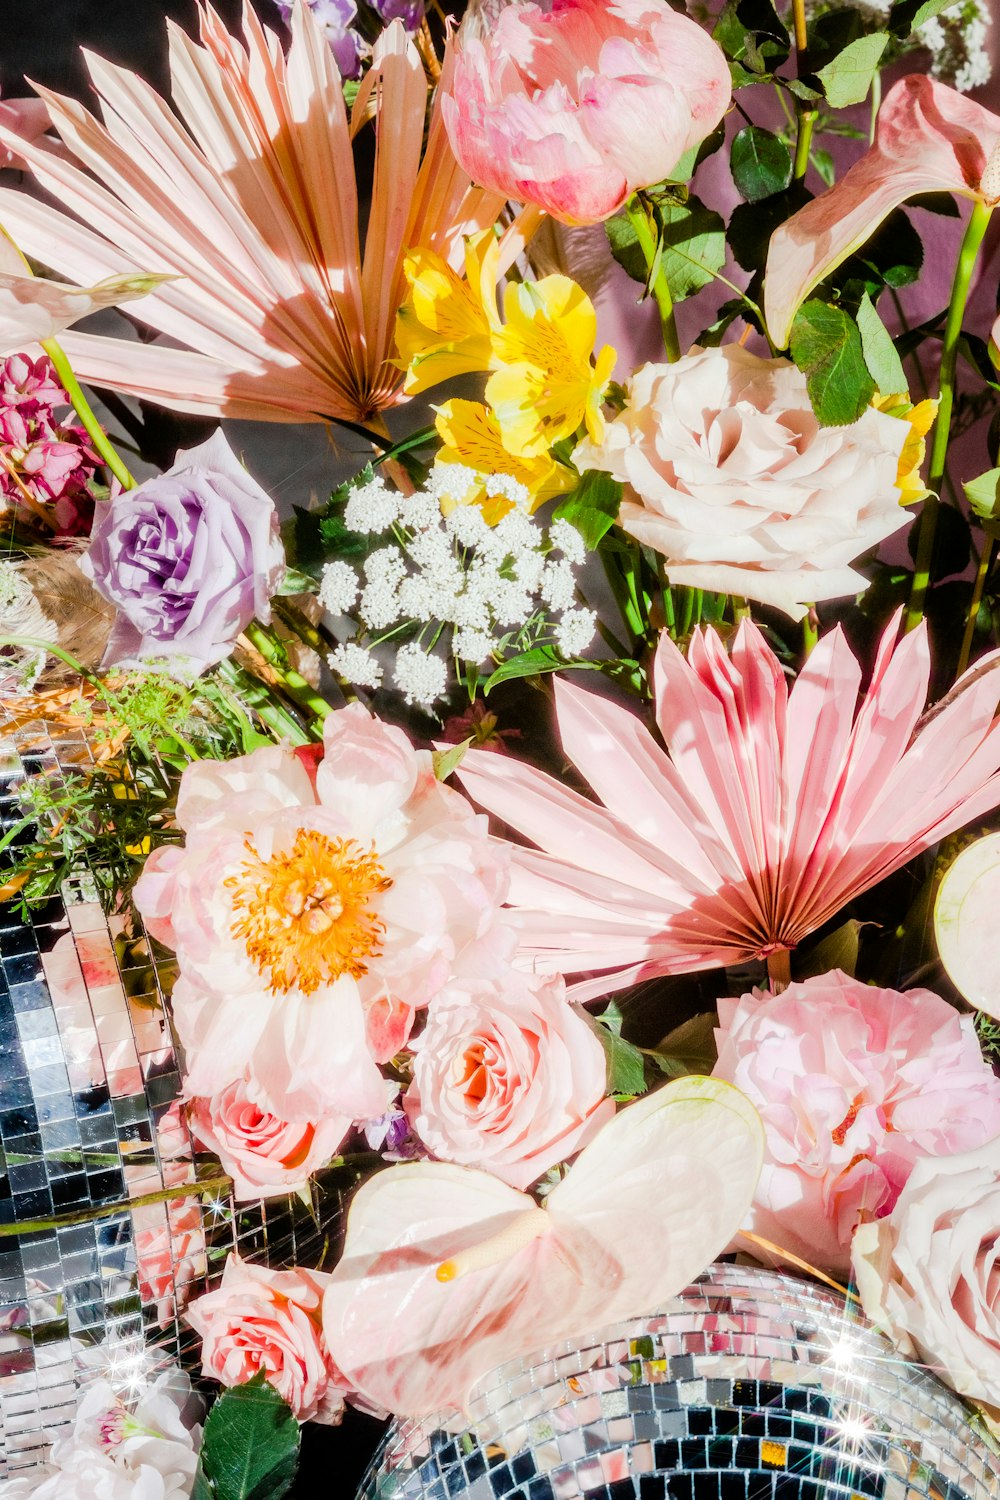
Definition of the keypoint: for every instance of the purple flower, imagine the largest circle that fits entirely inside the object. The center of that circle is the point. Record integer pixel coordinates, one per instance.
(335, 18)
(391, 1136)
(410, 12)
(188, 558)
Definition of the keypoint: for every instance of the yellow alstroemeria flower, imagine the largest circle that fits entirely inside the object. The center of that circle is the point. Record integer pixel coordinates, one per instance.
(445, 325)
(921, 419)
(543, 384)
(471, 437)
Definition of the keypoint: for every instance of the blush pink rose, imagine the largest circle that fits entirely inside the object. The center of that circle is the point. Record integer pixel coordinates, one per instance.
(265, 1156)
(574, 105)
(731, 478)
(929, 1274)
(170, 1247)
(258, 1319)
(507, 1077)
(854, 1086)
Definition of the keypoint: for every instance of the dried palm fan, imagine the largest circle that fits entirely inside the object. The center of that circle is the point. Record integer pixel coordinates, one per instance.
(81, 620)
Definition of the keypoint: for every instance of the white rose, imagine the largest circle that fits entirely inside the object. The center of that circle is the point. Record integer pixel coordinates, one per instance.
(929, 1274)
(730, 476)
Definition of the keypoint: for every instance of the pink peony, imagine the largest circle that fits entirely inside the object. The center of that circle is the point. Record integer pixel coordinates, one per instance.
(170, 1248)
(258, 1319)
(854, 1085)
(265, 1156)
(732, 479)
(929, 1274)
(301, 904)
(574, 106)
(508, 1077)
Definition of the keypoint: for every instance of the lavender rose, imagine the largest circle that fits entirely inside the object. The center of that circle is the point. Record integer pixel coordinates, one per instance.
(188, 558)
(929, 1274)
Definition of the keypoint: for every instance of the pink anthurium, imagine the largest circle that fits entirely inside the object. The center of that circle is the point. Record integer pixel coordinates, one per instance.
(929, 139)
(448, 1272)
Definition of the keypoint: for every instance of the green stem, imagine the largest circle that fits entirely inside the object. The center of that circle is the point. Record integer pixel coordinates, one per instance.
(803, 142)
(273, 652)
(124, 1206)
(310, 636)
(84, 411)
(278, 720)
(968, 256)
(985, 557)
(810, 630)
(741, 608)
(639, 219)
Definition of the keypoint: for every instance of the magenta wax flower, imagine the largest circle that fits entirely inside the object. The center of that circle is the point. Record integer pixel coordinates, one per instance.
(576, 108)
(188, 559)
(44, 462)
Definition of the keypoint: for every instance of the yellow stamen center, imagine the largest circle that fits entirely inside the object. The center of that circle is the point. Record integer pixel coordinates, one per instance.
(305, 914)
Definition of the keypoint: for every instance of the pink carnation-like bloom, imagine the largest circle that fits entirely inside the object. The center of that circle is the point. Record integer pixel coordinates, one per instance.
(576, 106)
(47, 462)
(265, 1156)
(258, 1319)
(854, 1086)
(772, 810)
(507, 1077)
(732, 479)
(304, 902)
(170, 1247)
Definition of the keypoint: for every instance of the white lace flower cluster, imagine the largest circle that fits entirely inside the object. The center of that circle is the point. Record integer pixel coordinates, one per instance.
(496, 589)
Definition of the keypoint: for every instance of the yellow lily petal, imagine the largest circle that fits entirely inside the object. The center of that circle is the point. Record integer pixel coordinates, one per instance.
(921, 419)
(472, 437)
(444, 326)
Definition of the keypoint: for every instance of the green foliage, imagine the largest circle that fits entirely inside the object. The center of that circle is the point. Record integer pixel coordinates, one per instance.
(952, 543)
(751, 225)
(848, 78)
(592, 507)
(884, 364)
(691, 244)
(754, 38)
(907, 15)
(626, 1065)
(826, 346)
(760, 163)
(892, 257)
(250, 1448)
(537, 662)
(983, 494)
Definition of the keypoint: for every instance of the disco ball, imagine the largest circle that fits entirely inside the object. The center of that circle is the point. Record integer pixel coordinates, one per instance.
(751, 1385)
(88, 1070)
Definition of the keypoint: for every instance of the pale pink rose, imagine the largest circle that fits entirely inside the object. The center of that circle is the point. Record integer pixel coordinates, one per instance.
(854, 1085)
(507, 1077)
(929, 1274)
(732, 479)
(265, 1156)
(308, 899)
(258, 1319)
(575, 105)
(170, 1247)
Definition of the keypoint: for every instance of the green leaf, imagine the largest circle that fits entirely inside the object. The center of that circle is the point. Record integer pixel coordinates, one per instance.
(446, 761)
(691, 245)
(684, 169)
(626, 1065)
(826, 346)
(884, 365)
(533, 663)
(760, 163)
(838, 950)
(592, 507)
(848, 78)
(296, 582)
(907, 15)
(983, 494)
(251, 1445)
(690, 1047)
(751, 225)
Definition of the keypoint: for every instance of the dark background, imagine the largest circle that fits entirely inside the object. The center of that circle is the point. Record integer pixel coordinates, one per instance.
(42, 41)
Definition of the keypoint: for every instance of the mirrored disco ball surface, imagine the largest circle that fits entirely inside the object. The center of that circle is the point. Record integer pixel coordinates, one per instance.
(751, 1385)
(88, 1072)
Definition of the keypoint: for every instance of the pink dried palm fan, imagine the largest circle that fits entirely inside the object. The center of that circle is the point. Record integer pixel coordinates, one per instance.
(248, 197)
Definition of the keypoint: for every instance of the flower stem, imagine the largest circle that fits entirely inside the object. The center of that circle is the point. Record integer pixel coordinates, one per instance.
(982, 572)
(779, 969)
(810, 630)
(85, 412)
(639, 219)
(803, 142)
(310, 636)
(278, 720)
(124, 1206)
(799, 24)
(270, 648)
(968, 256)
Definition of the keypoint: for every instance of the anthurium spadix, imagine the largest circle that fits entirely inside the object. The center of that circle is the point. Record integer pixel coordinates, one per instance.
(447, 1272)
(929, 139)
(33, 308)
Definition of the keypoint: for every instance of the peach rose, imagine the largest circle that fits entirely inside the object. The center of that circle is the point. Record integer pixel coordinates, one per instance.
(855, 1085)
(265, 1156)
(508, 1077)
(259, 1319)
(929, 1274)
(731, 478)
